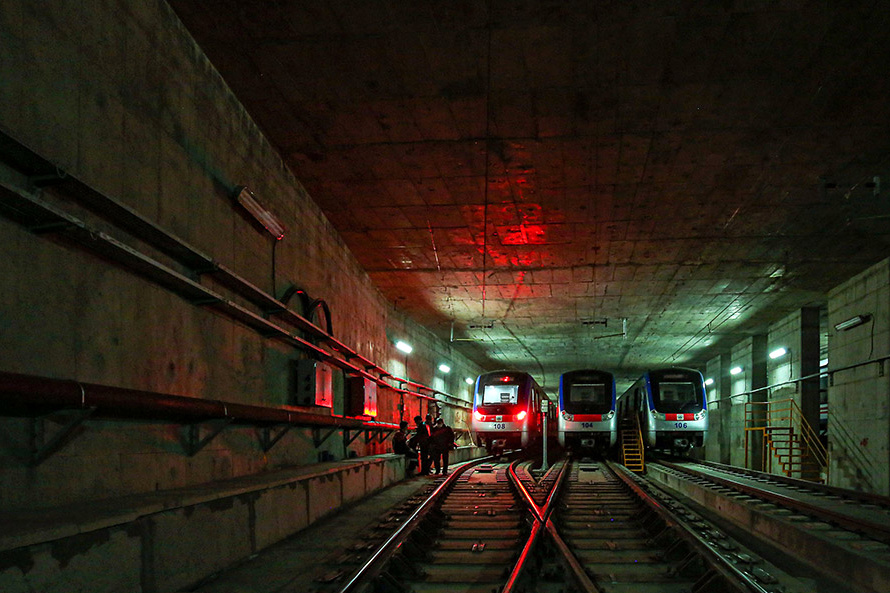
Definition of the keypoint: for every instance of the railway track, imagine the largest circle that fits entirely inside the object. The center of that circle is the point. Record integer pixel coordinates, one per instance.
(480, 530)
(465, 537)
(584, 527)
(615, 536)
(809, 522)
(481, 533)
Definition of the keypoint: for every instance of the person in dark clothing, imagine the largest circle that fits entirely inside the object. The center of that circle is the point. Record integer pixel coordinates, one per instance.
(421, 442)
(441, 443)
(400, 446)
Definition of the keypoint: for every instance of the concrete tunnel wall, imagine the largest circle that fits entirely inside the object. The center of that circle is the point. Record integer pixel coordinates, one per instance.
(858, 430)
(118, 95)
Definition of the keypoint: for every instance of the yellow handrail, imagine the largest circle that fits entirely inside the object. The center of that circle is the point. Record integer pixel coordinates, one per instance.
(765, 416)
(632, 437)
(640, 443)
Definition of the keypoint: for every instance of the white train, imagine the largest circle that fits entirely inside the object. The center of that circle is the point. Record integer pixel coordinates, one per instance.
(587, 419)
(672, 408)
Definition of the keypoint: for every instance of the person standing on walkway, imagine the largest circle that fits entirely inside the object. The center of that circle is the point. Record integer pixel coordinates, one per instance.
(400, 447)
(441, 444)
(421, 442)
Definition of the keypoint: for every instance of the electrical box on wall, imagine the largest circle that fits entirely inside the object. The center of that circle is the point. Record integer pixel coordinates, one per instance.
(361, 397)
(315, 384)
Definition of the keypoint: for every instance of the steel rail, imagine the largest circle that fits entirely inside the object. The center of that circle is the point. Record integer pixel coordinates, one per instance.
(865, 497)
(875, 530)
(581, 576)
(543, 517)
(578, 571)
(738, 579)
(523, 492)
(372, 567)
(538, 524)
(510, 585)
(557, 488)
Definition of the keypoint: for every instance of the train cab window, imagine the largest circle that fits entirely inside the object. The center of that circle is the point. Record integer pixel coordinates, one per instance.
(500, 394)
(590, 398)
(677, 397)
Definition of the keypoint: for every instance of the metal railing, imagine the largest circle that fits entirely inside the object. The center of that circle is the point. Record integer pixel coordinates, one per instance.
(826, 373)
(786, 436)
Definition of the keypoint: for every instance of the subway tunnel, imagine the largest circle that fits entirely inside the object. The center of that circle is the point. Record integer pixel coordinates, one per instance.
(242, 241)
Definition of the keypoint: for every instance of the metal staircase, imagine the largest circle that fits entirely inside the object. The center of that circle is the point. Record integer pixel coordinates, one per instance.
(787, 440)
(632, 446)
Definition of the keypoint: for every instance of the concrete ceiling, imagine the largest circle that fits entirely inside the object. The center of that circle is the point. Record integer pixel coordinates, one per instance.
(527, 175)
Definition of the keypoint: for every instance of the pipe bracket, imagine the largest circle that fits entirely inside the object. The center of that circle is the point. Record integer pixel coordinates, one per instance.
(41, 447)
(194, 442)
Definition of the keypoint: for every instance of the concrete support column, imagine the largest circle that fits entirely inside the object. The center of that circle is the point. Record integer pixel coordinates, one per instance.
(759, 379)
(724, 382)
(809, 364)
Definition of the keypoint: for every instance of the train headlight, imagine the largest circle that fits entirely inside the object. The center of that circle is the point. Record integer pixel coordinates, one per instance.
(567, 416)
(478, 415)
(521, 415)
(610, 415)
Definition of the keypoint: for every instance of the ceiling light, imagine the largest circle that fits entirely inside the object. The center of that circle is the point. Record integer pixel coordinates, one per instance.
(246, 198)
(469, 380)
(778, 353)
(735, 370)
(852, 322)
(444, 368)
(404, 347)
(709, 381)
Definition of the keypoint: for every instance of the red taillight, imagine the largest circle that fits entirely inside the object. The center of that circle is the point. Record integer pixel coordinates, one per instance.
(521, 415)
(478, 415)
(505, 379)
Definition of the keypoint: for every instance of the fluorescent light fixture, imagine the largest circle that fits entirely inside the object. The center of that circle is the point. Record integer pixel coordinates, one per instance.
(246, 198)
(735, 370)
(778, 353)
(852, 322)
(444, 368)
(709, 381)
(469, 380)
(823, 363)
(404, 347)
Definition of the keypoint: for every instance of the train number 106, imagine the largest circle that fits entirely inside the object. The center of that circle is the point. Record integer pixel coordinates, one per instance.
(680, 425)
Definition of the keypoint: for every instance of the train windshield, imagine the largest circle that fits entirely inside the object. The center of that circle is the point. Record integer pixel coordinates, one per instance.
(500, 394)
(587, 398)
(677, 397)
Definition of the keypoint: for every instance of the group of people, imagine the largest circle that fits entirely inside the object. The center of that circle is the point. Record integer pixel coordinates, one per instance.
(431, 442)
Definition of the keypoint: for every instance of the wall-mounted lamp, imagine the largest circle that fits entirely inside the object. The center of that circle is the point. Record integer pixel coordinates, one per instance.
(404, 347)
(469, 380)
(735, 370)
(852, 322)
(246, 198)
(444, 368)
(709, 382)
(778, 353)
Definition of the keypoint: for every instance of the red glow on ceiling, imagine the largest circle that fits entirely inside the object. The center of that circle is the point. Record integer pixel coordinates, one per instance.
(523, 234)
